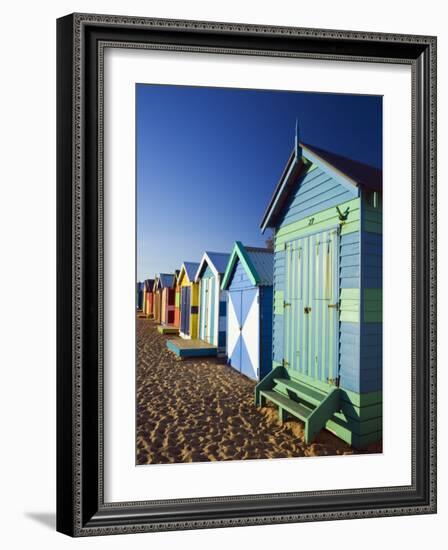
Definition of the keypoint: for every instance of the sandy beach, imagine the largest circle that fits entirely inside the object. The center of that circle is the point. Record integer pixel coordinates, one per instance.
(196, 410)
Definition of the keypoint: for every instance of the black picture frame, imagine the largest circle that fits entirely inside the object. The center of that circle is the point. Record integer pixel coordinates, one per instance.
(81, 510)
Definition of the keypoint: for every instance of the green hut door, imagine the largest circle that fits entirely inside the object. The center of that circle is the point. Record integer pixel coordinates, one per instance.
(311, 318)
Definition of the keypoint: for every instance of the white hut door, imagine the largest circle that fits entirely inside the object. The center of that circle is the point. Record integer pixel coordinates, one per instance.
(206, 321)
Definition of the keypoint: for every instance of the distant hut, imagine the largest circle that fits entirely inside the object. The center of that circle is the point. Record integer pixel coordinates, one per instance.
(326, 214)
(203, 328)
(140, 286)
(166, 289)
(148, 297)
(157, 298)
(248, 281)
(212, 300)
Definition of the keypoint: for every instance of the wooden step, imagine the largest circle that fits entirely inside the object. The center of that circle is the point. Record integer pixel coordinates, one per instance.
(304, 392)
(299, 410)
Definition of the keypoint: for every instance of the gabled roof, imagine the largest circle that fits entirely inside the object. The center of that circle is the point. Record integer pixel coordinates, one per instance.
(350, 171)
(217, 261)
(164, 280)
(189, 268)
(149, 283)
(362, 175)
(258, 263)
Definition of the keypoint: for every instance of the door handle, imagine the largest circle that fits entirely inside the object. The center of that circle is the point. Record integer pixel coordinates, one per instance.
(335, 306)
(307, 309)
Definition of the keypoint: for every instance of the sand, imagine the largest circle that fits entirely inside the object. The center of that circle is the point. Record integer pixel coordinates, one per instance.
(196, 410)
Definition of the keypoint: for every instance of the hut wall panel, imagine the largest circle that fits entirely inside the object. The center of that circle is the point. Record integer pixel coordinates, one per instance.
(176, 321)
(212, 290)
(194, 310)
(317, 191)
(371, 345)
(349, 260)
(266, 305)
(279, 286)
(240, 279)
(320, 221)
(222, 320)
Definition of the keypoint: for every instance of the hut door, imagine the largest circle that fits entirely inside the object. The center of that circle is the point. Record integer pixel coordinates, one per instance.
(242, 334)
(185, 310)
(205, 308)
(234, 328)
(311, 306)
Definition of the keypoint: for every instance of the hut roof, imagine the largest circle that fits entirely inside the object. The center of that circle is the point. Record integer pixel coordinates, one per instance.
(350, 171)
(217, 261)
(258, 263)
(165, 280)
(190, 269)
(149, 283)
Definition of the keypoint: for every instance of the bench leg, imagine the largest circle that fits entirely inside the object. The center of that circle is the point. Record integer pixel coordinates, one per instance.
(282, 414)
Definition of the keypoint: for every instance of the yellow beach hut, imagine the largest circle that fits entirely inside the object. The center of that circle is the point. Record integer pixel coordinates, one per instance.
(189, 300)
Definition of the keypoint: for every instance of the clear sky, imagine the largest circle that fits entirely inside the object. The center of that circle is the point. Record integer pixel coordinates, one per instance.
(208, 160)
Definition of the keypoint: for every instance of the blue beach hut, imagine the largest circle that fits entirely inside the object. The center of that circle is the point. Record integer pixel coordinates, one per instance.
(248, 281)
(326, 215)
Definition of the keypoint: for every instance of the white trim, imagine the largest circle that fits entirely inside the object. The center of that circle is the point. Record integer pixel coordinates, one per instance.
(205, 258)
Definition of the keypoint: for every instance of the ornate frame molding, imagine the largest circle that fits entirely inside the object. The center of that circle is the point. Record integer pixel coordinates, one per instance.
(81, 42)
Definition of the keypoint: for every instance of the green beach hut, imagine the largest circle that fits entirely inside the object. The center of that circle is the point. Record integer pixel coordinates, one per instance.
(326, 217)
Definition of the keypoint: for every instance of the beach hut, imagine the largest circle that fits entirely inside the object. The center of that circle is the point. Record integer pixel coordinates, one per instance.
(248, 282)
(189, 300)
(161, 281)
(212, 300)
(326, 216)
(167, 303)
(148, 297)
(140, 295)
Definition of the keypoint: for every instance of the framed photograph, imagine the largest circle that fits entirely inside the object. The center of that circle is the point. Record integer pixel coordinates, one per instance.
(246, 274)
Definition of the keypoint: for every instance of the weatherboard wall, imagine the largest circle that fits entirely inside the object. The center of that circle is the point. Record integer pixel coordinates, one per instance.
(190, 309)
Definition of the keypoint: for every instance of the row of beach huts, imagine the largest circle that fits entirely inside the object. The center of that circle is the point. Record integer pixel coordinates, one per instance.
(221, 306)
(303, 318)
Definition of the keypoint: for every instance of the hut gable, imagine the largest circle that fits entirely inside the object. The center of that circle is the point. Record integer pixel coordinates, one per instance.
(252, 264)
(315, 181)
(165, 280)
(149, 284)
(216, 262)
(188, 272)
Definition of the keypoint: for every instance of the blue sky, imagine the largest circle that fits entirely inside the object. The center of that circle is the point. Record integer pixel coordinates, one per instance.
(208, 160)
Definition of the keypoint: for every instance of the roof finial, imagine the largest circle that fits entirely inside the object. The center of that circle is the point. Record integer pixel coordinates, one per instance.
(298, 149)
